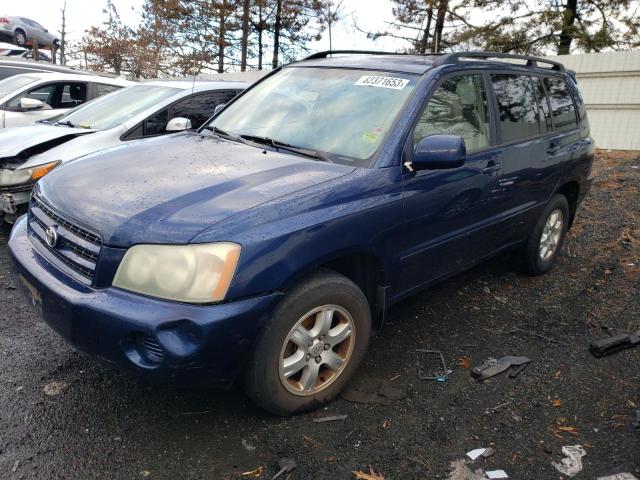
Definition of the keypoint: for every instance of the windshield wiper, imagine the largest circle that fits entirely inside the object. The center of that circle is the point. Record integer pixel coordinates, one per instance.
(67, 123)
(286, 146)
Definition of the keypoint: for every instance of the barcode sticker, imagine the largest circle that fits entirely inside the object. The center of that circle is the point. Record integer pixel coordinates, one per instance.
(382, 82)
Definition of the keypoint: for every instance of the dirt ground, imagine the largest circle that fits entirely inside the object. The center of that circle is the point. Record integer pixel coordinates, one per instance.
(96, 422)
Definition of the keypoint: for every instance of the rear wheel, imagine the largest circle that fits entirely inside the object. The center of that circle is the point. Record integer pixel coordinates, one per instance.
(20, 38)
(547, 237)
(313, 344)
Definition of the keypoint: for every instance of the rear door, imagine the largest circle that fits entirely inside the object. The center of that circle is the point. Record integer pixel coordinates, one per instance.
(450, 214)
(532, 151)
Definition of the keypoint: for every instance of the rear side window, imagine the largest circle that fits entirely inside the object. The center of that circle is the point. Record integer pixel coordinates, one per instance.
(543, 103)
(563, 111)
(457, 107)
(518, 111)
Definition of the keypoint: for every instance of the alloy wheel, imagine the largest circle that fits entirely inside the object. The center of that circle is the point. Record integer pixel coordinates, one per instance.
(551, 234)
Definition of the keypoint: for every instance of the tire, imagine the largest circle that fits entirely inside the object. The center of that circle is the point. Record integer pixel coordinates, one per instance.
(534, 258)
(279, 389)
(20, 38)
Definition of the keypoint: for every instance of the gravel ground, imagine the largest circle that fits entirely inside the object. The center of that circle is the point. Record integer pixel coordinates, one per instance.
(66, 415)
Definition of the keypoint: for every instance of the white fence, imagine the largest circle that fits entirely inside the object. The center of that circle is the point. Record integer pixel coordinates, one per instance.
(609, 82)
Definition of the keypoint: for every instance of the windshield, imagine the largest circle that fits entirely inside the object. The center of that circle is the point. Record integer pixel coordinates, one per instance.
(11, 84)
(342, 113)
(118, 107)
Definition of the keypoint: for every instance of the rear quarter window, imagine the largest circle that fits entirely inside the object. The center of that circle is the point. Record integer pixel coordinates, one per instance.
(563, 111)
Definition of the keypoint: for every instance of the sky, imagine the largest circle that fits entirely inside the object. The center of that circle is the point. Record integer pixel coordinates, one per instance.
(368, 15)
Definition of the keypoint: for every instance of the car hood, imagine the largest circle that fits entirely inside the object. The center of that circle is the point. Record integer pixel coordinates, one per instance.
(168, 189)
(20, 143)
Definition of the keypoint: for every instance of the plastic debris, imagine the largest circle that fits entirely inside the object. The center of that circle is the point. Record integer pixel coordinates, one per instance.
(473, 454)
(286, 465)
(607, 346)
(329, 419)
(492, 367)
(571, 465)
(497, 474)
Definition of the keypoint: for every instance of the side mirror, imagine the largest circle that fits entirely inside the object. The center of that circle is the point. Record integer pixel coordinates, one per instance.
(437, 152)
(178, 124)
(218, 108)
(31, 103)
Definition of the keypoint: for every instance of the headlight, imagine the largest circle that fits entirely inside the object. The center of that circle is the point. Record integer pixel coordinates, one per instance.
(25, 176)
(199, 273)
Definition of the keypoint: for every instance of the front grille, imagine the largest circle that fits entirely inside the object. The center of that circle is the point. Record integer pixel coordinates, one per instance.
(76, 250)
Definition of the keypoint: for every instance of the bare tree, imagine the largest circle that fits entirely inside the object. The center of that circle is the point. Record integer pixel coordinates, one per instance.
(245, 34)
(328, 12)
(63, 35)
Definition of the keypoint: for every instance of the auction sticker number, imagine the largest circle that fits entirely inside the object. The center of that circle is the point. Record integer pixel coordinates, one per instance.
(382, 82)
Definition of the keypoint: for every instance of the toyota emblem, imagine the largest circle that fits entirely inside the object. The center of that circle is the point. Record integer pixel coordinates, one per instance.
(51, 236)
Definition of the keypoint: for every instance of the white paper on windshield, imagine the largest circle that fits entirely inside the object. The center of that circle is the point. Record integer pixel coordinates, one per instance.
(382, 82)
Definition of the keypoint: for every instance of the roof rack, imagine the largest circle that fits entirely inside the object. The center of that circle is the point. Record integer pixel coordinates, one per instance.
(326, 53)
(455, 57)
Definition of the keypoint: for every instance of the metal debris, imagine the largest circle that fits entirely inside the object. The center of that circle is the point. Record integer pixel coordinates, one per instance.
(329, 419)
(439, 377)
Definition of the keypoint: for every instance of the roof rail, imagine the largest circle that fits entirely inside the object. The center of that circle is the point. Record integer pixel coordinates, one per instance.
(455, 57)
(326, 53)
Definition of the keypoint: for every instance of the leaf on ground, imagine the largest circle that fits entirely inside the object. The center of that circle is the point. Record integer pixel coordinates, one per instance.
(256, 473)
(372, 475)
(557, 402)
(54, 388)
(465, 362)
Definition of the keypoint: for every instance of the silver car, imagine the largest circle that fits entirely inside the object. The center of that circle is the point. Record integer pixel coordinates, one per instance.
(22, 31)
(142, 111)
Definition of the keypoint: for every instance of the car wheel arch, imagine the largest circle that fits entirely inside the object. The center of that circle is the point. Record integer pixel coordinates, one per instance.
(571, 191)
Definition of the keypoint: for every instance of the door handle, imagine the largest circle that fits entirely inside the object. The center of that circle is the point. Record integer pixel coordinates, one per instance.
(492, 168)
(553, 147)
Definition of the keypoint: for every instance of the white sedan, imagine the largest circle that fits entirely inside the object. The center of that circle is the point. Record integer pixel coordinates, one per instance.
(30, 97)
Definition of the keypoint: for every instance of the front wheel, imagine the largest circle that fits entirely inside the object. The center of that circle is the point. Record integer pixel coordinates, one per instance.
(311, 347)
(547, 237)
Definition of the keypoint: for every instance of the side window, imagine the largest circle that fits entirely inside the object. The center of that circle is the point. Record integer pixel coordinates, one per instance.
(44, 93)
(457, 107)
(543, 103)
(517, 106)
(73, 94)
(563, 111)
(198, 108)
(102, 89)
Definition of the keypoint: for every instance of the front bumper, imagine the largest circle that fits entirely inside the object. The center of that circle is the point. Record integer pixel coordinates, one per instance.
(190, 344)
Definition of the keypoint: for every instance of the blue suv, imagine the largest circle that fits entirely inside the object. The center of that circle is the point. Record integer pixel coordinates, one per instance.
(267, 245)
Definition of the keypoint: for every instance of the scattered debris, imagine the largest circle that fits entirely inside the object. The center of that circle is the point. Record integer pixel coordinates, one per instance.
(618, 476)
(367, 390)
(16, 464)
(372, 475)
(529, 332)
(329, 419)
(571, 465)
(460, 471)
(488, 452)
(497, 474)
(442, 376)
(256, 473)
(248, 446)
(54, 388)
(607, 346)
(492, 367)
(473, 454)
(286, 465)
(145, 473)
(557, 402)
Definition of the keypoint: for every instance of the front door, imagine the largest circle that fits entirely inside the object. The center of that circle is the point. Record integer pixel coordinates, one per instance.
(450, 214)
